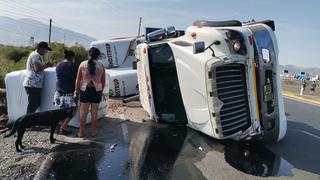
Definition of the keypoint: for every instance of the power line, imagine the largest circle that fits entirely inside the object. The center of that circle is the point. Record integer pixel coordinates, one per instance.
(55, 29)
(33, 24)
(24, 22)
(40, 12)
(24, 7)
(10, 13)
(30, 14)
(23, 15)
(22, 12)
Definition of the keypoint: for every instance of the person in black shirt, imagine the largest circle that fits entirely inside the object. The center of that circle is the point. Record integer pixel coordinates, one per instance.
(66, 76)
(313, 87)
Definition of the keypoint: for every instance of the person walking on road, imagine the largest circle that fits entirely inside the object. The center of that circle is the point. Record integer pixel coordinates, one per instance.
(66, 77)
(313, 87)
(33, 81)
(90, 83)
(303, 87)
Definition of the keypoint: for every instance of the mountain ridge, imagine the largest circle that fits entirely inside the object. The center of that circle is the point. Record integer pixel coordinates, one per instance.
(292, 69)
(18, 32)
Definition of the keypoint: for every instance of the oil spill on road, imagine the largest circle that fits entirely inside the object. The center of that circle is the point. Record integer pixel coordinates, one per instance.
(163, 152)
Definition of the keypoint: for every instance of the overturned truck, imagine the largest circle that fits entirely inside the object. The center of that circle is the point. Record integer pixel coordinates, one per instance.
(220, 77)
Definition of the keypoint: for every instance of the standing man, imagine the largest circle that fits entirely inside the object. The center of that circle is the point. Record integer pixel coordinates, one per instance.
(303, 87)
(33, 81)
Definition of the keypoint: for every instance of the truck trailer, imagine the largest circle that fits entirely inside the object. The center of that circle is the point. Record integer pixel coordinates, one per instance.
(117, 56)
(219, 77)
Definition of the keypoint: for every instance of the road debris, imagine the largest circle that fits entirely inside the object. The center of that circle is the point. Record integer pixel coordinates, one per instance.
(112, 147)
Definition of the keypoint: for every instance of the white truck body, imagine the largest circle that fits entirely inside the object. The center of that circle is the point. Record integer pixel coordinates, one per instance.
(224, 92)
(117, 55)
(17, 99)
(118, 52)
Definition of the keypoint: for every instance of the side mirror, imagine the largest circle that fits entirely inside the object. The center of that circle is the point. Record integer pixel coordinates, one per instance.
(198, 47)
(156, 35)
(171, 31)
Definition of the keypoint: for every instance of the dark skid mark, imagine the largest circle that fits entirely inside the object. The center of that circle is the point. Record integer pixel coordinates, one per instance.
(75, 165)
(161, 151)
(255, 159)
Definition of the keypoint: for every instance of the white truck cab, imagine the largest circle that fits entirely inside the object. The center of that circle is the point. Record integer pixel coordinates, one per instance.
(221, 78)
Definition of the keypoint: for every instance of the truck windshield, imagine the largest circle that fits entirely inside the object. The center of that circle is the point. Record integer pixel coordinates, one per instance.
(165, 86)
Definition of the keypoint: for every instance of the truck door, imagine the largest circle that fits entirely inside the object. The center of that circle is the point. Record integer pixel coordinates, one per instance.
(165, 85)
(143, 73)
(273, 120)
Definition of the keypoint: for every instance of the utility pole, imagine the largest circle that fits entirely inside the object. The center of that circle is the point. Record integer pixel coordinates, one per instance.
(50, 31)
(64, 40)
(139, 26)
(31, 41)
(50, 23)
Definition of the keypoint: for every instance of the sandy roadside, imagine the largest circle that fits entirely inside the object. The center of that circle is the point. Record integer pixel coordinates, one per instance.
(24, 165)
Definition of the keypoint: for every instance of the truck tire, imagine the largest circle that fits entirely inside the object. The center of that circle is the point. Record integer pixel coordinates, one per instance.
(217, 23)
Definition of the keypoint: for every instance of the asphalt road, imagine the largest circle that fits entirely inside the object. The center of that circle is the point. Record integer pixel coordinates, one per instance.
(301, 145)
(163, 151)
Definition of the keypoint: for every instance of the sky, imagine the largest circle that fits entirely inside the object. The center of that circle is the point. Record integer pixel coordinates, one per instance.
(297, 23)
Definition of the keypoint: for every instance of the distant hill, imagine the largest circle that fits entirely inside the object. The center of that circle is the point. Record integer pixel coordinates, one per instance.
(18, 32)
(293, 69)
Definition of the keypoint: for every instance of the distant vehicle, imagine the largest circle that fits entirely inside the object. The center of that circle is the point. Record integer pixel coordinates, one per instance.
(315, 78)
(223, 78)
(285, 75)
(302, 75)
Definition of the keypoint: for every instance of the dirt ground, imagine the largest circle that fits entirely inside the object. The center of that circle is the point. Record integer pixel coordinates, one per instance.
(25, 165)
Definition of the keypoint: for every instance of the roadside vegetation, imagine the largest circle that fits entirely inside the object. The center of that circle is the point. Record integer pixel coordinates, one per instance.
(294, 86)
(14, 58)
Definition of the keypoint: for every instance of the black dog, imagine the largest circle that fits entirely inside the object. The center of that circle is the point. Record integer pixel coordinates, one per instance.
(46, 118)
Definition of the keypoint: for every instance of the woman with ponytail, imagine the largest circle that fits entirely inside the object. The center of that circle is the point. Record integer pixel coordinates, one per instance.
(89, 84)
(66, 76)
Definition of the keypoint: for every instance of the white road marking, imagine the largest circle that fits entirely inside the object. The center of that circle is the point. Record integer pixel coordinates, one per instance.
(301, 101)
(310, 134)
(305, 132)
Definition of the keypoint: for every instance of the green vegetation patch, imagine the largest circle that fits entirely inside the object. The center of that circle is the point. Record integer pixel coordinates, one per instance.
(14, 58)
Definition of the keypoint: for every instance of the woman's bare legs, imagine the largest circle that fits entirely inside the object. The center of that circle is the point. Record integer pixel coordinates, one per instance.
(94, 118)
(65, 123)
(83, 118)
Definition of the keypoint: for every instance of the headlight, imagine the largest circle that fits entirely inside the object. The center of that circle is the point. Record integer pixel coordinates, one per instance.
(235, 41)
(236, 45)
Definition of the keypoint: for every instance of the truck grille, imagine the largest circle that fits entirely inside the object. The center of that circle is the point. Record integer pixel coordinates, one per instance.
(232, 91)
